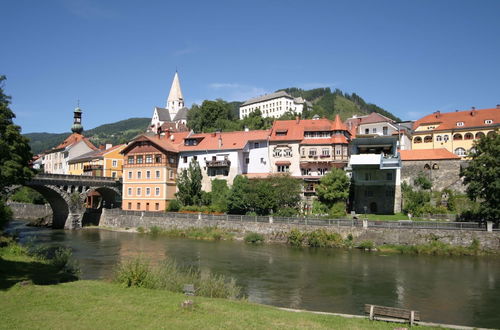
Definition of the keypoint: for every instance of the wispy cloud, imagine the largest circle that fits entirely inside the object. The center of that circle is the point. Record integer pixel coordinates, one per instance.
(236, 91)
(87, 9)
(184, 51)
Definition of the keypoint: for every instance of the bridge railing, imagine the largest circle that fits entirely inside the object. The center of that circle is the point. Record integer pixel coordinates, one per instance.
(307, 221)
(67, 177)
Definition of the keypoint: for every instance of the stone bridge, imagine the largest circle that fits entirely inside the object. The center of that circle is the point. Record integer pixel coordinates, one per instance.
(67, 195)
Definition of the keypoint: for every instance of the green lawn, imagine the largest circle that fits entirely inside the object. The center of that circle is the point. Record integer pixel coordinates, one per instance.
(397, 216)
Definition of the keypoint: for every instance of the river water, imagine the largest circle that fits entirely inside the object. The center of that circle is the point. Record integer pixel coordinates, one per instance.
(453, 290)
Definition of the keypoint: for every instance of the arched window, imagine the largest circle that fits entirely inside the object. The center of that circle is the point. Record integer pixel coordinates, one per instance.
(427, 167)
(418, 139)
(446, 138)
(472, 150)
(479, 135)
(435, 166)
(491, 134)
(468, 136)
(457, 137)
(428, 139)
(439, 137)
(460, 151)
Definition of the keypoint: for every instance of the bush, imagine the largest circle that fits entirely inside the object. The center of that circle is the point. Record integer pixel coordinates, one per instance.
(366, 245)
(155, 231)
(295, 237)
(135, 272)
(254, 238)
(174, 206)
(286, 212)
(338, 210)
(140, 230)
(5, 214)
(319, 208)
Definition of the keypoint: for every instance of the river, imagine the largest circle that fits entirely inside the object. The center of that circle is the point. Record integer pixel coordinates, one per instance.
(452, 290)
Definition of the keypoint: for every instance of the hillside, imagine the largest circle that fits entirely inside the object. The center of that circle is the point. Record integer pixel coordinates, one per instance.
(114, 133)
(327, 103)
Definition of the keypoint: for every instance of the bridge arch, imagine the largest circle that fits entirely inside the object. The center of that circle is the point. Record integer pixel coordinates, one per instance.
(58, 201)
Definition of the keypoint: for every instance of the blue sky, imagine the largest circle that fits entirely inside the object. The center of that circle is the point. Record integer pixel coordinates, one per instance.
(119, 57)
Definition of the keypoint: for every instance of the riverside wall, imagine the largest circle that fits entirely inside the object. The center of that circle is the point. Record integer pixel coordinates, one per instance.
(278, 232)
(23, 211)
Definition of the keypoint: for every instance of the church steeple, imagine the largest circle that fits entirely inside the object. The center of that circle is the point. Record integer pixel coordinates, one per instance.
(175, 100)
(77, 120)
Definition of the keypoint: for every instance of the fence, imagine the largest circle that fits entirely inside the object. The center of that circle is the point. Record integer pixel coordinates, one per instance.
(401, 224)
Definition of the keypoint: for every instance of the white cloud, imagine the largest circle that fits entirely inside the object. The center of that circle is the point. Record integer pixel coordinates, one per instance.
(236, 91)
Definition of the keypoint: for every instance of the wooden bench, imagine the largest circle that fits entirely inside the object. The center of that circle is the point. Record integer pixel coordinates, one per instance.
(392, 314)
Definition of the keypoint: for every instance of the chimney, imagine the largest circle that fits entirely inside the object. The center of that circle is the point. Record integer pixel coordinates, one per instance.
(297, 119)
(498, 106)
(220, 141)
(108, 145)
(473, 108)
(437, 113)
(246, 129)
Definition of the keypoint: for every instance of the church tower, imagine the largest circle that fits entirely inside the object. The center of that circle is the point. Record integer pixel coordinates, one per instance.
(175, 100)
(77, 121)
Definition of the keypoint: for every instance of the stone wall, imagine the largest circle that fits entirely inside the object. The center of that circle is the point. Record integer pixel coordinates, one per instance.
(278, 232)
(24, 211)
(444, 174)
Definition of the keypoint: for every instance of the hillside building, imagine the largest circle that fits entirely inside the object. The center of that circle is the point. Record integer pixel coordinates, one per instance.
(56, 160)
(375, 167)
(274, 105)
(455, 131)
(174, 115)
(226, 155)
(376, 124)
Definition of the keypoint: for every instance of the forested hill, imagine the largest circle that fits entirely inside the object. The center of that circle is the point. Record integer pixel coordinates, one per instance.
(115, 133)
(327, 103)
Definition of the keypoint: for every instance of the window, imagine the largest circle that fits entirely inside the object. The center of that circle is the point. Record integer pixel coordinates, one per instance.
(305, 171)
(139, 191)
(170, 174)
(138, 206)
(460, 123)
(479, 135)
(157, 191)
(367, 131)
(148, 174)
(171, 159)
(130, 174)
(457, 137)
(157, 174)
(325, 152)
(439, 138)
(312, 152)
(139, 174)
(277, 152)
(129, 205)
(114, 163)
(158, 158)
(488, 121)
(388, 176)
(468, 136)
(288, 152)
(184, 159)
(374, 130)
(149, 159)
(302, 152)
(338, 151)
(148, 191)
(322, 171)
(460, 151)
(247, 160)
(190, 142)
(418, 139)
(368, 176)
(139, 159)
(213, 171)
(195, 157)
(113, 174)
(130, 160)
(129, 191)
(157, 206)
(256, 145)
(384, 130)
(283, 168)
(428, 139)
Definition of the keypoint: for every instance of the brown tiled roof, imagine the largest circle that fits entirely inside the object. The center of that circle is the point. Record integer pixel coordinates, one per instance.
(229, 140)
(470, 118)
(71, 140)
(427, 154)
(295, 129)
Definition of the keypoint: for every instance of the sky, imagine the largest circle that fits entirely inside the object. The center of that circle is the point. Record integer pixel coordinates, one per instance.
(118, 57)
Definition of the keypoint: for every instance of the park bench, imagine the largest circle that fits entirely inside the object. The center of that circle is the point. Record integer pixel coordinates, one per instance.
(392, 314)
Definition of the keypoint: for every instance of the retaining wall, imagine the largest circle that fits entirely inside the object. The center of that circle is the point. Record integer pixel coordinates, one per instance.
(278, 232)
(24, 211)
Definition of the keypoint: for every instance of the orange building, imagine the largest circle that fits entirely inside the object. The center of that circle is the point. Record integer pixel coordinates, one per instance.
(150, 170)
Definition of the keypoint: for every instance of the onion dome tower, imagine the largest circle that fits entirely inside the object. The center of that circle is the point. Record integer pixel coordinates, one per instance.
(77, 121)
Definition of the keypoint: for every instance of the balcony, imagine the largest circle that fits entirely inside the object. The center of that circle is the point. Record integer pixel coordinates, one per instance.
(390, 162)
(218, 163)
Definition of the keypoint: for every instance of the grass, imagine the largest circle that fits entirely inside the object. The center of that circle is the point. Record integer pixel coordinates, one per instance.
(100, 305)
(436, 248)
(203, 233)
(389, 217)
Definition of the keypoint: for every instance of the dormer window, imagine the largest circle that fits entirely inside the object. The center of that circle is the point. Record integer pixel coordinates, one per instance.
(460, 123)
(281, 132)
(488, 121)
(190, 142)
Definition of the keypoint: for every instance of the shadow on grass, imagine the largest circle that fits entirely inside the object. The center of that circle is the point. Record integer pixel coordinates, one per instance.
(12, 272)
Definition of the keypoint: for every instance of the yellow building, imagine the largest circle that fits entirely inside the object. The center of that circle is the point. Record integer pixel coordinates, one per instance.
(108, 162)
(455, 131)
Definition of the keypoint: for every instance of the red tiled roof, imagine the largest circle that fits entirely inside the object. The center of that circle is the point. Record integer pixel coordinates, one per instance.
(427, 154)
(470, 118)
(296, 128)
(283, 162)
(228, 140)
(336, 139)
(71, 140)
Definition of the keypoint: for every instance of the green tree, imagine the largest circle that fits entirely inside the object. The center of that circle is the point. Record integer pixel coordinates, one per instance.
(220, 193)
(189, 185)
(28, 195)
(482, 177)
(237, 201)
(333, 187)
(286, 191)
(15, 153)
(210, 116)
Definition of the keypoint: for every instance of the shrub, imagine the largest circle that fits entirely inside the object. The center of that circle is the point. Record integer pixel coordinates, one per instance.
(338, 210)
(319, 208)
(135, 272)
(366, 245)
(286, 212)
(174, 206)
(140, 230)
(295, 237)
(254, 238)
(155, 231)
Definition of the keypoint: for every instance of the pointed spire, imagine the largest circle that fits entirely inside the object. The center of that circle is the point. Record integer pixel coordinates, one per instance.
(175, 100)
(338, 125)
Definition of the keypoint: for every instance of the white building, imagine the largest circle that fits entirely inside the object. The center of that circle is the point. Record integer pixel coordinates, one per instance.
(226, 155)
(274, 105)
(174, 112)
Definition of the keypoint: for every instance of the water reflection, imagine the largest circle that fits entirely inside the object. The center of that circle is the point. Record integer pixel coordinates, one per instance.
(458, 290)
